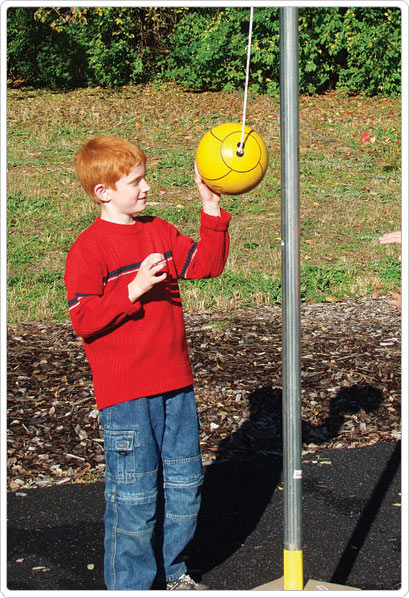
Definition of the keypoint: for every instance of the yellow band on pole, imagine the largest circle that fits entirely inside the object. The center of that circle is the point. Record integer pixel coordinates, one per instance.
(293, 570)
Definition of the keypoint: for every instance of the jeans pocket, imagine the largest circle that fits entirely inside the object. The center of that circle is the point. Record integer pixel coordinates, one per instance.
(120, 448)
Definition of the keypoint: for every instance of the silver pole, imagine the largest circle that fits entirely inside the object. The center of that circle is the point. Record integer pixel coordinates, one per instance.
(290, 263)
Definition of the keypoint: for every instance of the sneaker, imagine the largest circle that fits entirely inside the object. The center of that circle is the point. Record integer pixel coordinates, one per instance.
(185, 582)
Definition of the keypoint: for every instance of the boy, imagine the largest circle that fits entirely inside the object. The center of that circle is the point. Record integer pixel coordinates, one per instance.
(123, 296)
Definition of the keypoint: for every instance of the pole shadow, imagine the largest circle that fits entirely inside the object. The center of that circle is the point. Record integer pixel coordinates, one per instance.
(367, 518)
(247, 471)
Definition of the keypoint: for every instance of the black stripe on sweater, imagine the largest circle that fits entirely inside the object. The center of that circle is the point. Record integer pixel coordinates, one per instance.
(188, 259)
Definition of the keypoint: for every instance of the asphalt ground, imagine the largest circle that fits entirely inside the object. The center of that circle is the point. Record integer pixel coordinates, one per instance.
(351, 526)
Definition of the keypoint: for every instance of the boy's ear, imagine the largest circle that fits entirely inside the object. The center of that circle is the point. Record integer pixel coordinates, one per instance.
(101, 193)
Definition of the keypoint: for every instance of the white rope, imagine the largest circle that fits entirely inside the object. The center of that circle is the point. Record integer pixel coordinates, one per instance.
(240, 150)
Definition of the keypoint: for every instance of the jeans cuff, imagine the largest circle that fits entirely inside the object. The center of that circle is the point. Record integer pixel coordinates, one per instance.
(176, 576)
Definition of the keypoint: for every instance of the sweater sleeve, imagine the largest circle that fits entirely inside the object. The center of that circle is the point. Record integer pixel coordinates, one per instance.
(92, 311)
(207, 257)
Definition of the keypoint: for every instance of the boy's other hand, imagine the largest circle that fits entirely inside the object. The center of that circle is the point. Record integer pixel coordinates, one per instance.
(387, 239)
(396, 300)
(395, 237)
(210, 200)
(390, 238)
(150, 273)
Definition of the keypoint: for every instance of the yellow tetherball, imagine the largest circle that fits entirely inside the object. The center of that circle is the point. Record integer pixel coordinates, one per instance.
(225, 166)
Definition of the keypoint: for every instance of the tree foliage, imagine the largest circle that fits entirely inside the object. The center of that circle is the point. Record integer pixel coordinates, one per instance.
(354, 49)
(74, 47)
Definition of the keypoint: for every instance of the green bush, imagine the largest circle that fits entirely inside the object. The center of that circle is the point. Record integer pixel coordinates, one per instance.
(76, 47)
(372, 41)
(40, 54)
(208, 50)
(321, 56)
(354, 49)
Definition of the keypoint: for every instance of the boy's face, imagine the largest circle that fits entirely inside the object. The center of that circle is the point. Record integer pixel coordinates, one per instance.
(129, 197)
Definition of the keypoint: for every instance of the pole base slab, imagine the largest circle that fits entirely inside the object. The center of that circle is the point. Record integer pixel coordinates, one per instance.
(311, 585)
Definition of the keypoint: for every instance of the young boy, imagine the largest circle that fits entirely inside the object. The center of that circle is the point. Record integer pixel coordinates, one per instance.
(123, 296)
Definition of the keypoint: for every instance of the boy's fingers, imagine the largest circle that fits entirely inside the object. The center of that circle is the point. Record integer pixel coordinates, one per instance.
(157, 270)
(160, 277)
(152, 259)
(159, 264)
(396, 300)
(395, 237)
(156, 257)
(198, 177)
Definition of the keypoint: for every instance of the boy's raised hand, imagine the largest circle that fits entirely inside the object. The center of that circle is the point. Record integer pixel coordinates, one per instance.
(210, 200)
(149, 274)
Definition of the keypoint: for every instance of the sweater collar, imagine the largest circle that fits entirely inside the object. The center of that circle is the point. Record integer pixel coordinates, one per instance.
(114, 227)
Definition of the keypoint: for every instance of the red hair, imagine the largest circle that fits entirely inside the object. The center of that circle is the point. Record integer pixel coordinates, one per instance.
(106, 160)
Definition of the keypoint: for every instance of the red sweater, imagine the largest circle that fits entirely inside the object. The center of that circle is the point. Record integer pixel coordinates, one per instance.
(137, 349)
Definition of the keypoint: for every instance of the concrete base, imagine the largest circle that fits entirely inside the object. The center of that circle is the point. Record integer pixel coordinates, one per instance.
(311, 585)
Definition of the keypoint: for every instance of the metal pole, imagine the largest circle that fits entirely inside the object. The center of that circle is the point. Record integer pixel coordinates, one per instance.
(290, 263)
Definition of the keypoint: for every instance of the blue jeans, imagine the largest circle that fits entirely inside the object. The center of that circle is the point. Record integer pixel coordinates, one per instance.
(153, 482)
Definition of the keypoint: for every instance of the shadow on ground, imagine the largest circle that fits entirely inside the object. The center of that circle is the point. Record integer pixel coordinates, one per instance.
(232, 510)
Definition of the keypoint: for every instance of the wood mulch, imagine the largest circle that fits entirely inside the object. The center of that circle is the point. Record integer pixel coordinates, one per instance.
(350, 376)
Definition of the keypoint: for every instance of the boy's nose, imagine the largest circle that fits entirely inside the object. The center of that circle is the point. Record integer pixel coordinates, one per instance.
(146, 187)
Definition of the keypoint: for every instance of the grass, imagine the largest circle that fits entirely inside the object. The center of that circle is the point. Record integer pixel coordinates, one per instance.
(349, 191)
